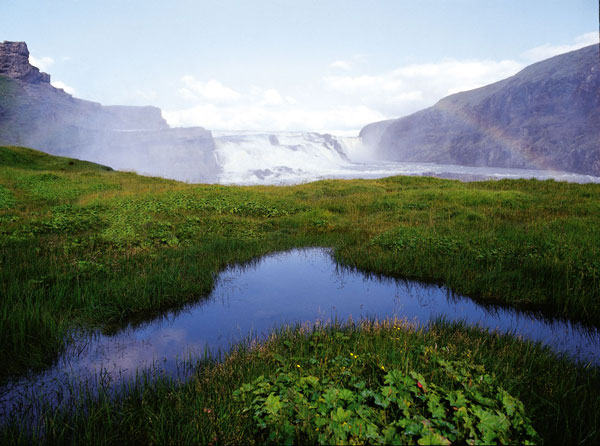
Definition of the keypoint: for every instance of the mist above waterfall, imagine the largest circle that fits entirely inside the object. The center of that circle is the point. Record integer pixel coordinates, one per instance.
(296, 157)
(430, 142)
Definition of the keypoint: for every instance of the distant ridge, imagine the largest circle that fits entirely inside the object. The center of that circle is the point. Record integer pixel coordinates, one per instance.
(35, 114)
(547, 116)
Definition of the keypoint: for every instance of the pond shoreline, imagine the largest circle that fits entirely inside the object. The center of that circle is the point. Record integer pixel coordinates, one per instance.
(249, 301)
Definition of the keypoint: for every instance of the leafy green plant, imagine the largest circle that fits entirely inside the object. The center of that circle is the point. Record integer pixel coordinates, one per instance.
(460, 403)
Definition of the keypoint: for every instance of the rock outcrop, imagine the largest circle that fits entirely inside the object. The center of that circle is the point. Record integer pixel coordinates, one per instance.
(35, 114)
(14, 63)
(547, 116)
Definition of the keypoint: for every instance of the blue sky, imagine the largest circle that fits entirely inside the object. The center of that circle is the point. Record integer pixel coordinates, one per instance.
(289, 65)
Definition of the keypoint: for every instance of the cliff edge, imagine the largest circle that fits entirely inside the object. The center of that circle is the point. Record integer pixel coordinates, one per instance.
(14, 63)
(35, 114)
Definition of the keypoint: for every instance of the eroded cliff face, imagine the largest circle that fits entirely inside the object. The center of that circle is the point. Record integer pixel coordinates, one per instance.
(35, 114)
(14, 63)
(547, 116)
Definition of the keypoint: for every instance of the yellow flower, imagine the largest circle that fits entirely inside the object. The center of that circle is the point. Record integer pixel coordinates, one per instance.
(383, 368)
(298, 365)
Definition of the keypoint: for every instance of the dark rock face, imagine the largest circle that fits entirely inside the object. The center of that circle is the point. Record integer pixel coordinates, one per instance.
(14, 63)
(547, 116)
(37, 115)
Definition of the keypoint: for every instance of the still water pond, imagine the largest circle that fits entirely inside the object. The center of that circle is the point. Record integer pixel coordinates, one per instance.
(291, 287)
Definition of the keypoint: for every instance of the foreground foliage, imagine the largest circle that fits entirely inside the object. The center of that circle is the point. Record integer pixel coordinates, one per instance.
(217, 404)
(294, 405)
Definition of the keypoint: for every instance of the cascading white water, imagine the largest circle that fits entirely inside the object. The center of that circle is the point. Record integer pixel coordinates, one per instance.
(298, 157)
(355, 149)
(281, 157)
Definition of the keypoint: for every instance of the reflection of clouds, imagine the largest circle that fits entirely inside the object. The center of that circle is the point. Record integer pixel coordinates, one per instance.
(164, 339)
(316, 289)
(124, 354)
(118, 357)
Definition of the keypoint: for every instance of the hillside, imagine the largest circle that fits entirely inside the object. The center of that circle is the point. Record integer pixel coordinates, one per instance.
(35, 114)
(547, 116)
(86, 248)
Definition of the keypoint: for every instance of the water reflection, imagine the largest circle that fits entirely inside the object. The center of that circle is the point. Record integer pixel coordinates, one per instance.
(283, 288)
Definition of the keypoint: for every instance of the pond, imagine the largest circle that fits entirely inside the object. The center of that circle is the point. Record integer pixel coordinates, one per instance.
(299, 286)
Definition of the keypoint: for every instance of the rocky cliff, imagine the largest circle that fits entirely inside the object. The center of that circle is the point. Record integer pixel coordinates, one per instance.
(14, 63)
(35, 114)
(547, 116)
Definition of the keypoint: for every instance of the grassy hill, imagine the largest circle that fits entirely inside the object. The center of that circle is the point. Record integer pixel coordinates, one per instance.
(82, 245)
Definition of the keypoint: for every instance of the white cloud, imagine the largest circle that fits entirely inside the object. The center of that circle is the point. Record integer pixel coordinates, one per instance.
(43, 63)
(342, 102)
(412, 87)
(272, 97)
(348, 64)
(67, 88)
(545, 51)
(338, 120)
(187, 94)
(353, 101)
(341, 64)
(211, 90)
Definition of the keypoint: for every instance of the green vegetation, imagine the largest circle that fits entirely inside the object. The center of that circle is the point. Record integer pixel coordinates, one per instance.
(81, 245)
(338, 406)
(343, 365)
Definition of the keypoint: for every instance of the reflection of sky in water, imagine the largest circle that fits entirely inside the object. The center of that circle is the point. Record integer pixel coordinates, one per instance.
(291, 287)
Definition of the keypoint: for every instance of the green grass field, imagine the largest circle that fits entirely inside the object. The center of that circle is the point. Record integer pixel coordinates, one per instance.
(84, 246)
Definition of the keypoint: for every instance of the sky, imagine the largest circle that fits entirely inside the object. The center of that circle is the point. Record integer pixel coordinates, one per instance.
(327, 66)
